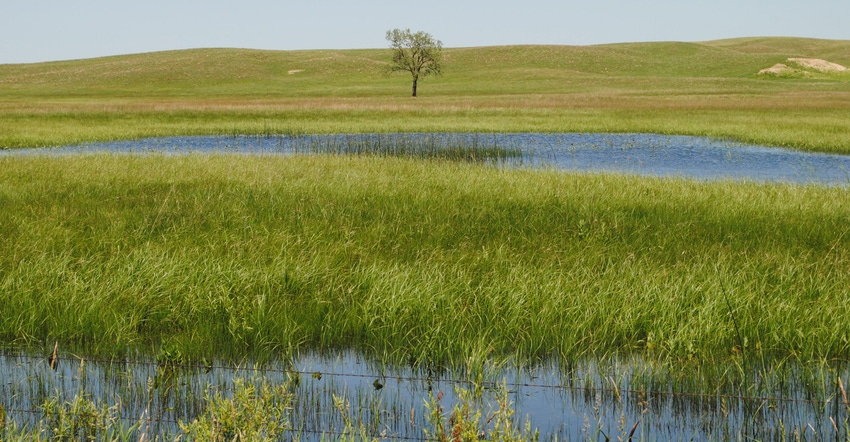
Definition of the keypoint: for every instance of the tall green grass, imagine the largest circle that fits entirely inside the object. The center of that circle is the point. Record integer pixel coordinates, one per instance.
(422, 262)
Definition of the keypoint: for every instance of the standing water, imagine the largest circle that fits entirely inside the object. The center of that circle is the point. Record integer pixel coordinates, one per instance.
(644, 154)
(595, 400)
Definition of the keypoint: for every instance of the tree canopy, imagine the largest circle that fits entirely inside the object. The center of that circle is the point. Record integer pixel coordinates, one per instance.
(415, 52)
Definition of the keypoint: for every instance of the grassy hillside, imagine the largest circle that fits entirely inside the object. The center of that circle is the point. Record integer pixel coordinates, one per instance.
(710, 88)
(833, 50)
(207, 73)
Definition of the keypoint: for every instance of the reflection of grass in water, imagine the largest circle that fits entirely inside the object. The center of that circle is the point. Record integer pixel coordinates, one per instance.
(664, 401)
(248, 407)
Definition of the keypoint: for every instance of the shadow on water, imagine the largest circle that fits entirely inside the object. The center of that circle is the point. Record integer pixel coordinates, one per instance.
(594, 400)
(644, 154)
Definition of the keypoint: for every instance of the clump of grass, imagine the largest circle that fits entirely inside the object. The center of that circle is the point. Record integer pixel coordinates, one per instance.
(82, 419)
(255, 411)
(470, 419)
(455, 147)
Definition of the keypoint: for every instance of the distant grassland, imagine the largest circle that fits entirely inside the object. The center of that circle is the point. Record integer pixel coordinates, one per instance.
(414, 261)
(710, 88)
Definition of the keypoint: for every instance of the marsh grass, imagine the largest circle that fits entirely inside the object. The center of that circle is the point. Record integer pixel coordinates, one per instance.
(422, 262)
(451, 147)
(256, 410)
(595, 400)
(253, 411)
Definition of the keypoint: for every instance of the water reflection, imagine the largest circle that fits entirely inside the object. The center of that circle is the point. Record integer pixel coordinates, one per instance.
(646, 154)
(591, 400)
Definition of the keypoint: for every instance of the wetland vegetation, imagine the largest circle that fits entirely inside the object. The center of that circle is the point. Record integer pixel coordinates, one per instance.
(427, 263)
(414, 261)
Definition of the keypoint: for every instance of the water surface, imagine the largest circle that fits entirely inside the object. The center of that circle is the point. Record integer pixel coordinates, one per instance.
(645, 154)
(585, 401)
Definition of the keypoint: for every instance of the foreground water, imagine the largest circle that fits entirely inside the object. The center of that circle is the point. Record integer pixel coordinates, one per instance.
(589, 401)
(645, 154)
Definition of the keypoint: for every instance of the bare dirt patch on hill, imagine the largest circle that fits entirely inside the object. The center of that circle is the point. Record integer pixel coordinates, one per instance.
(818, 64)
(803, 67)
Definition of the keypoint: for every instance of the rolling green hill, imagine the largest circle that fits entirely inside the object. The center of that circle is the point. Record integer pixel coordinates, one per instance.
(710, 88)
(211, 72)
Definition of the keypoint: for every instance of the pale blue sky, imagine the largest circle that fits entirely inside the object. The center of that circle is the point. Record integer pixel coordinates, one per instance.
(45, 30)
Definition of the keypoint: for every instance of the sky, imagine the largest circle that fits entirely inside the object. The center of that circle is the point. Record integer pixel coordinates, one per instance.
(48, 30)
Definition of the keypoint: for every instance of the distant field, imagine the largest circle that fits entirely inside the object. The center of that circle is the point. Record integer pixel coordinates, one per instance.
(711, 88)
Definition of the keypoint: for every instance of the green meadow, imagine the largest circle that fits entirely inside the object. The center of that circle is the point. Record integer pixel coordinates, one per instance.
(414, 261)
(422, 261)
(710, 88)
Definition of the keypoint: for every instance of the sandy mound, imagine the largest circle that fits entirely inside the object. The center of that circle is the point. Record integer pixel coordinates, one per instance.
(294, 71)
(818, 65)
(802, 67)
(776, 69)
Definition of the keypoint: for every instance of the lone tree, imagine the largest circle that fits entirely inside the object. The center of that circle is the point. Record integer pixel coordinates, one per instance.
(415, 52)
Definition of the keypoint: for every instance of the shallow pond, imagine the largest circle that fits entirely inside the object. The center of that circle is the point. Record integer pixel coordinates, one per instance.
(645, 154)
(590, 401)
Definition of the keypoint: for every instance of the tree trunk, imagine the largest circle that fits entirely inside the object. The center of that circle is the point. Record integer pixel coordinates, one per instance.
(415, 80)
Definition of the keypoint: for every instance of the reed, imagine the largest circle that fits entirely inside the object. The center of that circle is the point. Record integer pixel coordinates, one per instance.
(450, 147)
(123, 400)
